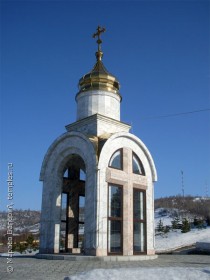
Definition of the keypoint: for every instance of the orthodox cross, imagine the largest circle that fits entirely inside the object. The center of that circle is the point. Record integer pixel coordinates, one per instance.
(98, 33)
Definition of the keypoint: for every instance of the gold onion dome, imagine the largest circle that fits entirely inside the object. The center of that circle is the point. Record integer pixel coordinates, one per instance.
(99, 78)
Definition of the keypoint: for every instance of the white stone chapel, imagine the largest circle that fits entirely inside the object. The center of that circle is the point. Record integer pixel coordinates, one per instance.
(98, 192)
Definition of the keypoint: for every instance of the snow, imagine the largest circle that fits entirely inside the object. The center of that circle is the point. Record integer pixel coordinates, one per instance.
(8, 255)
(17, 254)
(165, 215)
(201, 198)
(166, 242)
(168, 273)
(176, 239)
(165, 220)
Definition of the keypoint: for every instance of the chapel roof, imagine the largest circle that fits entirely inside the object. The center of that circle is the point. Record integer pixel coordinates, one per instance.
(99, 78)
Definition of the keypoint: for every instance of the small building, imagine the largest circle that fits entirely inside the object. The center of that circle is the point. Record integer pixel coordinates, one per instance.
(98, 193)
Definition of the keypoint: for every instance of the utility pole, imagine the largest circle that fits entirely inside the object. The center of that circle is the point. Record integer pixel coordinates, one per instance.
(182, 179)
(207, 190)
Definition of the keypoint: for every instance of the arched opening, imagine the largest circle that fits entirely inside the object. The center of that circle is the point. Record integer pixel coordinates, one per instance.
(72, 226)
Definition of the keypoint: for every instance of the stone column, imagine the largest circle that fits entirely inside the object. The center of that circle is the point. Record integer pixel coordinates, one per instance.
(127, 204)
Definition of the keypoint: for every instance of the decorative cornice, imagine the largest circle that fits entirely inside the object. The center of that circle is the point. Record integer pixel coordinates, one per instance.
(95, 118)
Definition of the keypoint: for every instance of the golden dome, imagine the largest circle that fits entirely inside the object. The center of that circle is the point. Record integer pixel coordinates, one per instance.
(99, 78)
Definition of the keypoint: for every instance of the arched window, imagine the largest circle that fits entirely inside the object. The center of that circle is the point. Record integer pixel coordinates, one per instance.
(116, 160)
(138, 167)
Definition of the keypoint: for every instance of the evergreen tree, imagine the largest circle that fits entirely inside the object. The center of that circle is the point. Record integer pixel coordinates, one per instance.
(166, 229)
(185, 226)
(175, 223)
(20, 247)
(30, 240)
(160, 227)
(199, 223)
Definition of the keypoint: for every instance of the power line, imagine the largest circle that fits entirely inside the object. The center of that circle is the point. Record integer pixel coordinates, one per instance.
(175, 115)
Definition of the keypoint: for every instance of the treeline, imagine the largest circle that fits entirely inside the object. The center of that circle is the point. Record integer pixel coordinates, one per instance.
(22, 219)
(25, 224)
(197, 206)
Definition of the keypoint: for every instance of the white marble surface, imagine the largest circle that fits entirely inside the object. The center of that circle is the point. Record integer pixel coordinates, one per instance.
(52, 170)
(57, 156)
(98, 101)
(98, 125)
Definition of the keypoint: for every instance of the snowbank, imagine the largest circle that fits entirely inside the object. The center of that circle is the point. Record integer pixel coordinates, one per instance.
(174, 240)
(144, 273)
(17, 254)
(8, 255)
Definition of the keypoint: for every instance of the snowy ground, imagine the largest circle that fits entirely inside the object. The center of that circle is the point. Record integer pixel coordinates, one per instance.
(144, 273)
(174, 240)
(165, 218)
(167, 242)
(17, 254)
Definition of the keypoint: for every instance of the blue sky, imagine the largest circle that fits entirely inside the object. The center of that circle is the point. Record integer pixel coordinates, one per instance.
(159, 51)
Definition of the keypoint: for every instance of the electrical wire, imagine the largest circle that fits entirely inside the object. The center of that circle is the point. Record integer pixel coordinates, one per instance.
(175, 115)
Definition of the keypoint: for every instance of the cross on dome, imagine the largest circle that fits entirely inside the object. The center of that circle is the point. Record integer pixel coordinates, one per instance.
(99, 78)
(97, 34)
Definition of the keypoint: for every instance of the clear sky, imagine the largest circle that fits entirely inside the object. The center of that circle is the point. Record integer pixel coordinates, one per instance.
(159, 51)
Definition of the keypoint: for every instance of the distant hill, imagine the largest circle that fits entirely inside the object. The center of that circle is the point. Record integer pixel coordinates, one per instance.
(24, 220)
(27, 222)
(198, 207)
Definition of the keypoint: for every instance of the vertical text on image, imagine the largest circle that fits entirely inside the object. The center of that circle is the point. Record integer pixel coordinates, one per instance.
(10, 189)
